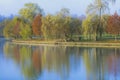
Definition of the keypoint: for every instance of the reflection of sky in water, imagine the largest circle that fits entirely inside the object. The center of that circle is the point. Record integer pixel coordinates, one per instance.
(58, 63)
(75, 73)
(9, 70)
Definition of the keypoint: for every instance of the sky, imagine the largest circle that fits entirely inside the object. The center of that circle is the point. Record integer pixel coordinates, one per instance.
(8, 7)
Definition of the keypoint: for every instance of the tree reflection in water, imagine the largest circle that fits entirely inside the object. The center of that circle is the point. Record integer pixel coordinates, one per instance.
(100, 63)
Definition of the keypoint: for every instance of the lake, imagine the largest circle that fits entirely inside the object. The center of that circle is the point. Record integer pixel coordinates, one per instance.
(26, 62)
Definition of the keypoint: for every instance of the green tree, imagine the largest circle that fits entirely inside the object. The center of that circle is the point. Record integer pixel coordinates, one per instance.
(104, 21)
(2, 25)
(89, 27)
(61, 26)
(30, 11)
(47, 26)
(57, 26)
(75, 27)
(28, 14)
(16, 27)
(10, 30)
(64, 22)
(25, 30)
(98, 7)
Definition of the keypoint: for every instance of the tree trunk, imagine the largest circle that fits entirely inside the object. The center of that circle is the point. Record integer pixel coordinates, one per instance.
(95, 37)
(100, 27)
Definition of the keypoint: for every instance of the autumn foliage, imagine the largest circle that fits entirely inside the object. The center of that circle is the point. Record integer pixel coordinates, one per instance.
(113, 24)
(31, 24)
(36, 25)
(16, 28)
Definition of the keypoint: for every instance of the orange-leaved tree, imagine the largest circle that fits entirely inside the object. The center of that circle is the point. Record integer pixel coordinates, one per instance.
(16, 28)
(113, 25)
(36, 25)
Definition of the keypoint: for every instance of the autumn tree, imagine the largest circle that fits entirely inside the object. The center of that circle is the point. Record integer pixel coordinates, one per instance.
(75, 27)
(52, 27)
(113, 25)
(16, 28)
(28, 13)
(89, 27)
(47, 27)
(57, 26)
(99, 7)
(12, 28)
(60, 26)
(25, 30)
(36, 25)
(2, 25)
(64, 22)
(30, 10)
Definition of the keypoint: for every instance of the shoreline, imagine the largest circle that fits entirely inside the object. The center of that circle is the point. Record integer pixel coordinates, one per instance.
(75, 44)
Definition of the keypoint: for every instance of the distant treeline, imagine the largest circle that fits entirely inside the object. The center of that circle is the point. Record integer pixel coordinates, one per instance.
(3, 24)
(32, 23)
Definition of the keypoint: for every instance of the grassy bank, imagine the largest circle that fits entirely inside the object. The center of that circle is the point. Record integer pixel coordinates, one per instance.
(79, 44)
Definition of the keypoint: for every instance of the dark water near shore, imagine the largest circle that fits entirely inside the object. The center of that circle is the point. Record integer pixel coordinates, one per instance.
(23, 62)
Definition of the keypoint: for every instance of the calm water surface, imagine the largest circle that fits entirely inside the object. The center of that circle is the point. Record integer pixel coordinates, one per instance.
(23, 62)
